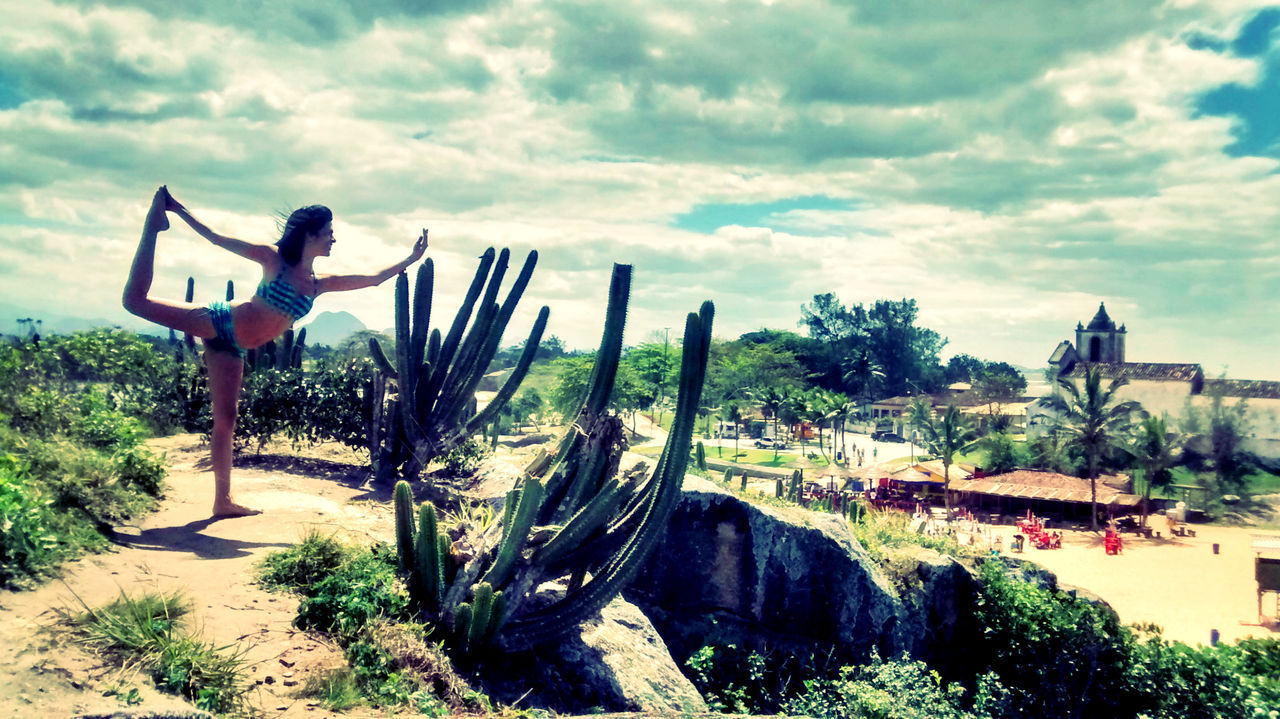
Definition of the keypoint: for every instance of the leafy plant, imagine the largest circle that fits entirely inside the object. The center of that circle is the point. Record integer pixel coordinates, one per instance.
(27, 541)
(302, 566)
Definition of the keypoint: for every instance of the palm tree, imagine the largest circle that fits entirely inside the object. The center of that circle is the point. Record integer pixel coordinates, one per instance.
(1095, 420)
(1155, 452)
(862, 373)
(736, 412)
(944, 437)
(771, 401)
(844, 408)
(818, 411)
(919, 414)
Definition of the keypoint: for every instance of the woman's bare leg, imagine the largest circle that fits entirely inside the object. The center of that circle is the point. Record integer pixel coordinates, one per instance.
(181, 316)
(226, 373)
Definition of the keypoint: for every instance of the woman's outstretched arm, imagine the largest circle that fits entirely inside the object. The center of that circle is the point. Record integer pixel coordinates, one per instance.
(342, 283)
(262, 254)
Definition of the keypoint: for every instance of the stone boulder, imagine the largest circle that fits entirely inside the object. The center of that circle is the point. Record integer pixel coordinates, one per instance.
(939, 595)
(614, 662)
(731, 572)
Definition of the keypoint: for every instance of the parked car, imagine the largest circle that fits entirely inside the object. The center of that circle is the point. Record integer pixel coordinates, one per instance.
(770, 443)
(890, 437)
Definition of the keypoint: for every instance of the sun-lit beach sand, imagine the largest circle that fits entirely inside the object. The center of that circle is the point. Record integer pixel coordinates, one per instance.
(1177, 583)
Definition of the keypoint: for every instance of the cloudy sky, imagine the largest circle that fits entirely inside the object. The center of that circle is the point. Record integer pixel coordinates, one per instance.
(1009, 164)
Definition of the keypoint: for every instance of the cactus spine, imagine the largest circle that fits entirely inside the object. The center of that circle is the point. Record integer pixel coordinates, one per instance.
(436, 379)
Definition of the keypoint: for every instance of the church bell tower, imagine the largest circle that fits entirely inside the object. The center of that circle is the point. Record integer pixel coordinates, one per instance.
(1100, 341)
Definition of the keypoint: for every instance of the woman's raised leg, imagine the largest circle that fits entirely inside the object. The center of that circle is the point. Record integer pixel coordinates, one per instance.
(226, 373)
(181, 316)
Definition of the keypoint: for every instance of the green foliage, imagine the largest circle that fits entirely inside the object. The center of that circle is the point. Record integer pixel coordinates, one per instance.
(140, 468)
(149, 631)
(1001, 453)
(305, 564)
(899, 689)
(360, 590)
(465, 458)
(1055, 654)
(880, 532)
(27, 541)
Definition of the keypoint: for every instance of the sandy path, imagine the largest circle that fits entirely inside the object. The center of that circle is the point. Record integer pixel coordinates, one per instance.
(179, 547)
(1178, 584)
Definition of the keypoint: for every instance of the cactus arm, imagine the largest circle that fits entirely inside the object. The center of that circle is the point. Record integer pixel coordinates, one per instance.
(427, 559)
(513, 540)
(464, 312)
(407, 382)
(551, 621)
(587, 520)
(509, 511)
(481, 615)
(605, 371)
(517, 375)
(403, 500)
(421, 311)
(462, 623)
(380, 359)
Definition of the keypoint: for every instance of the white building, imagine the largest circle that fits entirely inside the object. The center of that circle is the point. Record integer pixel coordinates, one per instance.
(1161, 388)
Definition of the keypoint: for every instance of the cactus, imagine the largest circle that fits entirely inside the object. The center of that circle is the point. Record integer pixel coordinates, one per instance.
(231, 290)
(701, 458)
(728, 476)
(794, 493)
(190, 297)
(585, 524)
(777, 488)
(743, 485)
(436, 378)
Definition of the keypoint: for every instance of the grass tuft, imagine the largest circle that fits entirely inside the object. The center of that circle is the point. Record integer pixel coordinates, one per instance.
(149, 632)
(302, 566)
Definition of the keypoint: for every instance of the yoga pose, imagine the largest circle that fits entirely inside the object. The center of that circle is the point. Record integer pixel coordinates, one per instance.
(288, 288)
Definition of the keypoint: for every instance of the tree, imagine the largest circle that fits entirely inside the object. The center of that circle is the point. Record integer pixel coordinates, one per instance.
(905, 351)
(527, 406)
(919, 414)
(736, 410)
(964, 368)
(862, 373)
(1216, 443)
(1155, 451)
(1095, 420)
(944, 437)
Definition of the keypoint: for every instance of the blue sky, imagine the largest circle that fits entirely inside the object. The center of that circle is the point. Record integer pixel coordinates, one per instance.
(1009, 164)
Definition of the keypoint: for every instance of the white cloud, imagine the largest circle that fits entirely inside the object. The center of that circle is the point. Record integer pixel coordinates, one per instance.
(1008, 164)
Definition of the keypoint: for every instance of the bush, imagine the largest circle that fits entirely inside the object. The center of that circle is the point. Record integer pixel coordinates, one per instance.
(139, 467)
(362, 589)
(887, 690)
(465, 458)
(304, 565)
(27, 539)
(1057, 655)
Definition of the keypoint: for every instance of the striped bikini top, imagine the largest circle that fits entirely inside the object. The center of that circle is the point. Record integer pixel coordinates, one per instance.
(282, 296)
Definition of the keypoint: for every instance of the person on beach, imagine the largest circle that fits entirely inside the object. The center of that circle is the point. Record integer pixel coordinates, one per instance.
(289, 287)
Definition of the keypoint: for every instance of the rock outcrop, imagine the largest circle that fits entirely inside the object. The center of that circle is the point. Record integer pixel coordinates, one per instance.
(732, 572)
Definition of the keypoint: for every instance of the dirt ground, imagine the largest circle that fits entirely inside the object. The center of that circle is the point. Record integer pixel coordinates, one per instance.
(180, 548)
(1178, 583)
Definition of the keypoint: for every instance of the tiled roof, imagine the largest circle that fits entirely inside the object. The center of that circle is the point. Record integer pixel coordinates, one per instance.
(1244, 388)
(1173, 371)
(1060, 351)
(1033, 484)
(893, 401)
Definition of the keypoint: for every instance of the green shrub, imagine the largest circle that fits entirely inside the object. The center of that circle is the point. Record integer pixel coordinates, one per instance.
(139, 467)
(27, 540)
(98, 425)
(362, 589)
(1055, 654)
(465, 458)
(301, 567)
(885, 690)
(879, 531)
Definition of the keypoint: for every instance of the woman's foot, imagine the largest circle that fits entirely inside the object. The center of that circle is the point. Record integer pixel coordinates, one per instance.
(157, 220)
(231, 509)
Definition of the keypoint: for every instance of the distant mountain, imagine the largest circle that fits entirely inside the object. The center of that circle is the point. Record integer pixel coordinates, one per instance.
(331, 328)
(52, 323)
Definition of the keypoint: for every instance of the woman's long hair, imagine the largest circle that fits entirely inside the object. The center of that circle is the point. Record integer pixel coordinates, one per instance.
(301, 222)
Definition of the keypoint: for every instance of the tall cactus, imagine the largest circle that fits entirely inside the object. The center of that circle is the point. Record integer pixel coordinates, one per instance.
(584, 521)
(187, 337)
(436, 378)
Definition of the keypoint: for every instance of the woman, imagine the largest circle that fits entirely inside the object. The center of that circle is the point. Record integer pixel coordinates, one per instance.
(288, 288)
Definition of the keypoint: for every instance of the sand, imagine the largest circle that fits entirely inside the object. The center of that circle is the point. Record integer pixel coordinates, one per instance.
(1177, 583)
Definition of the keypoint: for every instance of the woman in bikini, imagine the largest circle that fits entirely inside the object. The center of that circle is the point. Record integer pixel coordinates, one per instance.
(288, 288)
